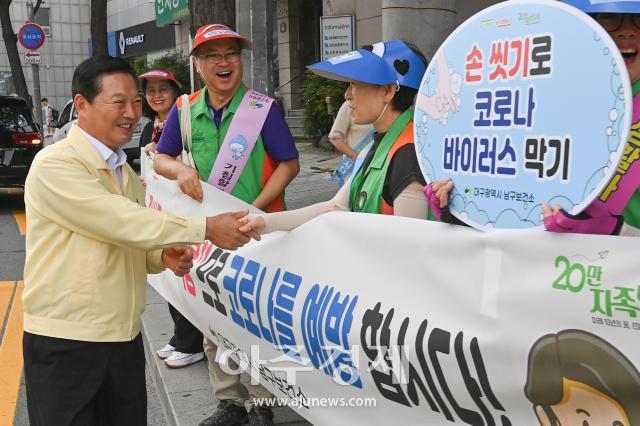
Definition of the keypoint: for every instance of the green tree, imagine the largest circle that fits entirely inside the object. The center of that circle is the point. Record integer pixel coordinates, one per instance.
(174, 62)
(315, 90)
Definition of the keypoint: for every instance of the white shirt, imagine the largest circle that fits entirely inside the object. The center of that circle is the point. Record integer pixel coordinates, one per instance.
(115, 159)
(46, 115)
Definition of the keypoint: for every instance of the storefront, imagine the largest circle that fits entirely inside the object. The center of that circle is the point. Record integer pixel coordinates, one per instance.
(142, 40)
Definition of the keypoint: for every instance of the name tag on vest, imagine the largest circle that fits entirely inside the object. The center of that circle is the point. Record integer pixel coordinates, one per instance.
(345, 167)
(241, 137)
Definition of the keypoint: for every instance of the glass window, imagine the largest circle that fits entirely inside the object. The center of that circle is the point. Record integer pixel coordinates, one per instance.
(6, 83)
(14, 114)
(64, 115)
(42, 18)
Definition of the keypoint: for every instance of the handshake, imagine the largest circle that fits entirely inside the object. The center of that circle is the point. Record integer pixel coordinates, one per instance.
(223, 230)
(229, 231)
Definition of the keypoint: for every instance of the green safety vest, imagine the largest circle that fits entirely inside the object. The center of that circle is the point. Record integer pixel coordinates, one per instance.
(207, 139)
(365, 194)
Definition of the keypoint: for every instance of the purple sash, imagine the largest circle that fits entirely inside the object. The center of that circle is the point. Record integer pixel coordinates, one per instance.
(240, 139)
(626, 180)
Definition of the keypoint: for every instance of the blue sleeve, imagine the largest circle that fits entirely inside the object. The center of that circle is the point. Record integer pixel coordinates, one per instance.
(170, 142)
(276, 136)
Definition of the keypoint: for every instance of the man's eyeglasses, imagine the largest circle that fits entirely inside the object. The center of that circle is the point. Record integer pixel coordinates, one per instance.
(216, 58)
(613, 21)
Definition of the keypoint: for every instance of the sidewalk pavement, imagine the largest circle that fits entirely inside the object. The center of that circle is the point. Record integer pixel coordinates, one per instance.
(185, 394)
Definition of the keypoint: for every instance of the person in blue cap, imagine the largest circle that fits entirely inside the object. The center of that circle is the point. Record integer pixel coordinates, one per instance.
(621, 19)
(383, 82)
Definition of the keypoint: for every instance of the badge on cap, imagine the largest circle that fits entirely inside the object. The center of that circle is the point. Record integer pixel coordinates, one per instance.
(156, 74)
(214, 33)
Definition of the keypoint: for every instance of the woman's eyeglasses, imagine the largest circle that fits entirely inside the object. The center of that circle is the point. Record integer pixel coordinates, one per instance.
(162, 91)
(613, 21)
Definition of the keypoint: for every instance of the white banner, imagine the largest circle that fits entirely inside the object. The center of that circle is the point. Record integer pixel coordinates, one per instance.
(438, 324)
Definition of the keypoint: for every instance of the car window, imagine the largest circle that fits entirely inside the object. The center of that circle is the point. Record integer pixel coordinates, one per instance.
(14, 114)
(74, 113)
(64, 115)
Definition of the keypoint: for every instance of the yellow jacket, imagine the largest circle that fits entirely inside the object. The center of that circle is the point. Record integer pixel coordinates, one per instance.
(89, 247)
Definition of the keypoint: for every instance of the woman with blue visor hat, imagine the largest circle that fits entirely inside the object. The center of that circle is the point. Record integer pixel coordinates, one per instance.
(383, 82)
(621, 19)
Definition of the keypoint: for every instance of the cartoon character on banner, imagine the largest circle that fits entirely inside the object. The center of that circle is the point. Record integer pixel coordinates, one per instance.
(238, 147)
(575, 377)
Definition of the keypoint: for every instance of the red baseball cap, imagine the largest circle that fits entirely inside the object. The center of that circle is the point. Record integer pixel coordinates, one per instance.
(161, 74)
(217, 31)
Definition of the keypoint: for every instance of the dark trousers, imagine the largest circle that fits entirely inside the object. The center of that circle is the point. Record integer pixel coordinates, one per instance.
(72, 382)
(186, 337)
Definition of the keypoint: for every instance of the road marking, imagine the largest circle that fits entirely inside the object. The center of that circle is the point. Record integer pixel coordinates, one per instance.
(21, 220)
(6, 293)
(11, 360)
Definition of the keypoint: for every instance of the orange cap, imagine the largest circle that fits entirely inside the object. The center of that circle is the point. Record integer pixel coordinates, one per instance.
(161, 74)
(217, 31)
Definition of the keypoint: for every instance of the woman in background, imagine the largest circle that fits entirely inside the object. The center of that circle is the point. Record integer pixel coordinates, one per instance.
(161, 89)
(383, 82)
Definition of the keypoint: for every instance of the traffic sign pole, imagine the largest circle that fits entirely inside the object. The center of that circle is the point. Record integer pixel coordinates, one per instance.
(35, 69)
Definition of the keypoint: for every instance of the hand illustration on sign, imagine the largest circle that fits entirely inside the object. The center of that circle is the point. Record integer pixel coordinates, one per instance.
(446, 98)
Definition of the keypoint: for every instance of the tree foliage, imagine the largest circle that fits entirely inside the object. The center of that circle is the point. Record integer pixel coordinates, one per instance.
(174, 62)
(315, 90)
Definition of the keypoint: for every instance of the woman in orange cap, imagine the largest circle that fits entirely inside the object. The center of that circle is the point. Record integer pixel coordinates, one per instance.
(161, 89)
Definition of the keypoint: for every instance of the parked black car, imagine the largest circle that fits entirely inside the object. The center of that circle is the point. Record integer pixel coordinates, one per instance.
(20, 140)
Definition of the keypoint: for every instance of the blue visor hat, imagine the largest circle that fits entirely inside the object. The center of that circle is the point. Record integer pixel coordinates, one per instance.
(388, 63)
(606, 6)
(358, 65)
(409, 67)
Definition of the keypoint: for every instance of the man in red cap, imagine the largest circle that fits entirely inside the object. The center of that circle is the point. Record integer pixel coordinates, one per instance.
(241, 144)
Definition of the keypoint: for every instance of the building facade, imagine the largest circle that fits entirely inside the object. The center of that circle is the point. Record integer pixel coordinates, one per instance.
(426, 23)
(287, 34)
(67, 26)
(133, 33)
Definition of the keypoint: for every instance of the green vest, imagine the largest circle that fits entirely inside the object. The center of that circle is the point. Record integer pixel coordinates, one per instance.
(631, 212)
(365, 194)
(207, 139)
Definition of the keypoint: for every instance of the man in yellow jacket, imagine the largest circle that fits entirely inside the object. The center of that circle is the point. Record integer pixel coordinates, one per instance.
(90, 244)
